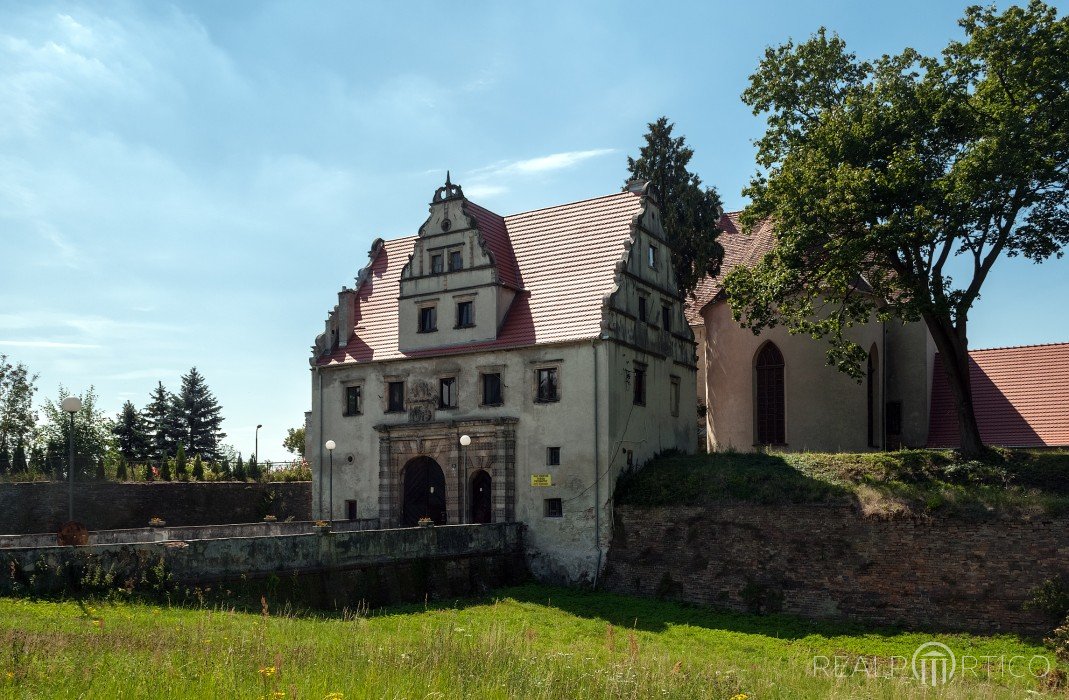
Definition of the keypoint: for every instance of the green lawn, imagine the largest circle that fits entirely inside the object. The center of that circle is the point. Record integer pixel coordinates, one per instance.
(526, 642)
(907, 482)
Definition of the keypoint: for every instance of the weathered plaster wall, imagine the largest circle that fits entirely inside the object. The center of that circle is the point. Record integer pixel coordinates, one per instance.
(108, 505)
(376, 566)
(829, 562)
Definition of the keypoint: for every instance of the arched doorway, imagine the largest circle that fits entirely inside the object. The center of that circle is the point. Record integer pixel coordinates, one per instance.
(423, 489)
(481, 503)
(769, 392)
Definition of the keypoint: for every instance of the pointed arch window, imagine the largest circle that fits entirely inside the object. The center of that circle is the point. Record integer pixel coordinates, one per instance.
(770, 401)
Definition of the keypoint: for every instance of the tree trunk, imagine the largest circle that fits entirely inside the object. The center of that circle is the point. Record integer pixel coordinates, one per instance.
(955, 351)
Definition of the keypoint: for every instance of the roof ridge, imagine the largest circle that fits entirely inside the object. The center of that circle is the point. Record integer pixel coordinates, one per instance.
(566, 204)
(1019, 347)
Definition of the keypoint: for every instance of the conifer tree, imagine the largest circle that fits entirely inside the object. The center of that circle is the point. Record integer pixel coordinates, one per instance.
(129, 431)
(37, 460)
(201, 419)
(5, 458)
(690, 212)
(19, 464)
(253, 469)
(198, 469)
(180, 463)
(165, 470)
(148, 471)
(224, 469)
(161, 423)
(239, 470)
(120, 468)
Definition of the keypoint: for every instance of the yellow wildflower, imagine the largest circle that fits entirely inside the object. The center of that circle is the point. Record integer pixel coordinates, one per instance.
(740, 696)
(268, 671)
(10, 675)
(98, 622)
(334, 696)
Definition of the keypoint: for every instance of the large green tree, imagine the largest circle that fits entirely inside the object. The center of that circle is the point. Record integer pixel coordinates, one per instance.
(92, 434)
(201, 416)
(130, 435)
(690, 212)
(17, 387)
(162, 423)
(294, 441)
(894, 185)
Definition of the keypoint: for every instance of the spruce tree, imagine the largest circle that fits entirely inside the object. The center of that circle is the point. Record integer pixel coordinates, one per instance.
(165, 469)
(148, 471)
(19, 464)
(129, 431)
(253, 469)
(201, 417)
(198, 469)
(161, 421)
(690, 212)
(120, 468)
(239, 470)
(180, 463)
(224, 469)
(5, 458)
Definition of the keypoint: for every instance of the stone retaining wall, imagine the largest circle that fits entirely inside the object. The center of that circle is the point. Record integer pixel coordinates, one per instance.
(831, 562)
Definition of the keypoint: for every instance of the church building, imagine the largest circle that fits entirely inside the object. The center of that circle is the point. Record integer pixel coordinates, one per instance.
(500, 368)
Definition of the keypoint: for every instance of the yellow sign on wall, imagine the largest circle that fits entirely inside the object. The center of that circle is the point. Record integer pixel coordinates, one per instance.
(541, 479)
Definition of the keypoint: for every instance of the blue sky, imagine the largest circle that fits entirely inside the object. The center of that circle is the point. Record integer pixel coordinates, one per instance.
(191, 184)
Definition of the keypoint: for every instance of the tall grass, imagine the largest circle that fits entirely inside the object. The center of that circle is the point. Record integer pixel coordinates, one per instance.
(531, 642)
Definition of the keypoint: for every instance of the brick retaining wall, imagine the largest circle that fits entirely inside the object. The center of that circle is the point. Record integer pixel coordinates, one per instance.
(830, 561)
(109, 505)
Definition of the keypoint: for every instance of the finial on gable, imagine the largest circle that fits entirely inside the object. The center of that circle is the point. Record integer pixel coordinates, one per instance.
(448, 191)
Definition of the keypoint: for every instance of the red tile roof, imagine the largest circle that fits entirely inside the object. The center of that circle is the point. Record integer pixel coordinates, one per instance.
(1020, 394)
(739, 249)
(563, 257)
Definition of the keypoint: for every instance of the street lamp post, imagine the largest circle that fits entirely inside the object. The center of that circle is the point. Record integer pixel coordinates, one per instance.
(330, 489)
(71, 405)
(465, 440)
(257, 452)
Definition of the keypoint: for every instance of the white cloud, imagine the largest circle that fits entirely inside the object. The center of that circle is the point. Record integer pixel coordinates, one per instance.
(491, 180)
(484, 191)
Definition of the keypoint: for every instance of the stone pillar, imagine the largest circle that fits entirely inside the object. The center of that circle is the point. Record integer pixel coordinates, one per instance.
(387, 518)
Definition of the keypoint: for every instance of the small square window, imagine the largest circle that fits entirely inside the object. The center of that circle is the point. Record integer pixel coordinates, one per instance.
(492, 389)
(553, 456)
(428, 319)
(651, 256)
(437, 263)
(666, 318)
(465, 318)
(456, 261)
(447, 392)
(395, 399)
(553, 508)
(352, 400)
(548, 389)
(640, 385)
(350, 510)
(673, 396)
(642, 308)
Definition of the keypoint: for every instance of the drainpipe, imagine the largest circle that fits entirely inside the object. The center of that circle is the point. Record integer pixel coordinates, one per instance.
(597, 471)
(319, 372)
(883, 386)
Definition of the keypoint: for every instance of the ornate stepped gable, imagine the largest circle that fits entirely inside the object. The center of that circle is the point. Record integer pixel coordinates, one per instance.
(556, 273)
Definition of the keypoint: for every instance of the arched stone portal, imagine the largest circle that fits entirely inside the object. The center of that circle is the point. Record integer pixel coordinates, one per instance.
(423, 489)
(482, 504)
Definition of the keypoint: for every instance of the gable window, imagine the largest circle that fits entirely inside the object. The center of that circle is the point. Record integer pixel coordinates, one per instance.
(769, 394)
(642, 308)
(437, 264)
(548, 388)
(465, 317)
(673, 396)
(553, 508)
(456, 261)
(639, 398)
(447, 392)
(492, 389)
(651, 257)
(428, 319)
(395, 397)
(553, 456)
(666, 318)
(352, 400)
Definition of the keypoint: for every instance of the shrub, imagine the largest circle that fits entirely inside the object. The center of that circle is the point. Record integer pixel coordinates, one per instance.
(1052, 599)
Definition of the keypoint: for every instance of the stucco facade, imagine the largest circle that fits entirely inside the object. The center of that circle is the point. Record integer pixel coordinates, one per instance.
(621, 353)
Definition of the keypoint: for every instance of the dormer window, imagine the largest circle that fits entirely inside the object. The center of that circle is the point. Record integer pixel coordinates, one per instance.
(437, 264)
(651, 257)
(428, 319)
(465, 317)
(456, 261)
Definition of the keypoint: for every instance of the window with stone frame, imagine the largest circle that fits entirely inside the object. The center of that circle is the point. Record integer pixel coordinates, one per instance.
(353, 400)
(673, 395)
(666, 317)
(395, 397)
(553, 508)
(639, 385)
(456, 260)
(437, 264)
(465, 314)
(492, 394)
(447, 392)
(428, 319)
(642, 307)
(547, 384)
(651, 256)
(553, 456)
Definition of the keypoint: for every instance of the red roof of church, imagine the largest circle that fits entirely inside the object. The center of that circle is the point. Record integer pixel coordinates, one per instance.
(739, 249)
(1020, 394)
(562, 259)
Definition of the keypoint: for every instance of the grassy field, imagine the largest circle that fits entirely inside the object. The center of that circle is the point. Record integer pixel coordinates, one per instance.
(526, 642)
(908, 482)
